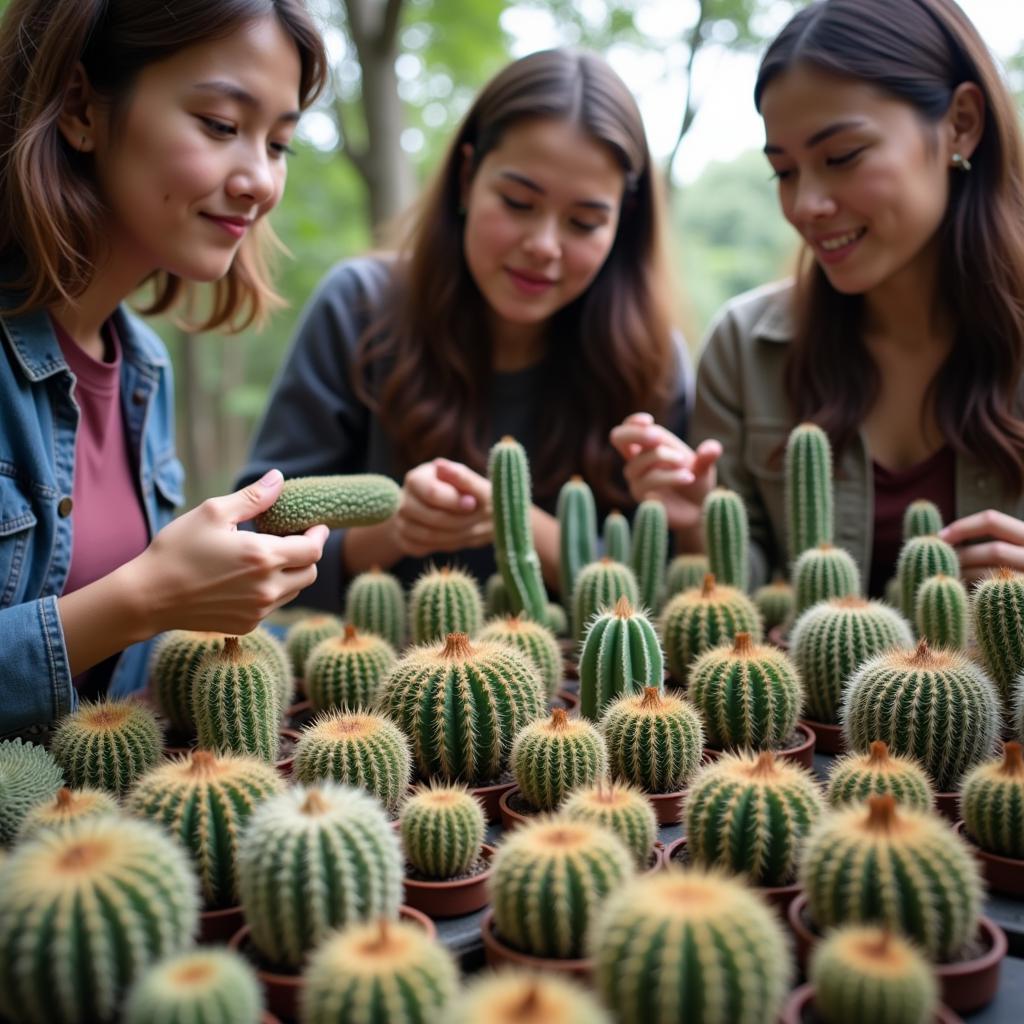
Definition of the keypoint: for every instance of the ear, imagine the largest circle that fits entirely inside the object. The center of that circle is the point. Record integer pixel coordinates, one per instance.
(965, 119)
(467, 153)
(77, 121)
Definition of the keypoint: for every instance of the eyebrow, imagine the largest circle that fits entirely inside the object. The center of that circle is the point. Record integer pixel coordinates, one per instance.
(521, 179)
(239, 95)
(825, 133)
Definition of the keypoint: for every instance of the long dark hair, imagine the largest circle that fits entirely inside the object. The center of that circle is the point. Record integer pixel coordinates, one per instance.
(919, 51)
(614, 349)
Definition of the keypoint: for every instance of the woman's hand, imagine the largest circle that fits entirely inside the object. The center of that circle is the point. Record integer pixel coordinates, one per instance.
(986, 541)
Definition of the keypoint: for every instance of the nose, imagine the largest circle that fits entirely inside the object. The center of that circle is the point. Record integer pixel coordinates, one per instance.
(542, 240)
(254, 180)
(810, 200)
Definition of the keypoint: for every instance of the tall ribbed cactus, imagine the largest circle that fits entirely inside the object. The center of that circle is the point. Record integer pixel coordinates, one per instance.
(776, 602)
(304, 635)
(921, 558)
(615, 537)
(442, 829)
(993, 804)
(519, 997)
(205, 802)
(855, 777)
(936, 706)
(600, 585)
(921, 518)
(509, 473)
(375, 603)
(461, 705)
(621, 654)
(727, 537)
(550, 879)
(67, 806)
(690, 946)
(684, 573)
(998, 605)
(577, 533)
(443, 601)
(650, 552)
(339, 501)
(83, 911)
(28, 777)
(623, 809)
(313, 859)
(532, 639)
(346, 671)
(822, 574)
(942, 611)
(810, 518)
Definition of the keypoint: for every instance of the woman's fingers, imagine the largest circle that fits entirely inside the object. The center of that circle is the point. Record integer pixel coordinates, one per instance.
(991, 555)
(474, 488)
(983, 525)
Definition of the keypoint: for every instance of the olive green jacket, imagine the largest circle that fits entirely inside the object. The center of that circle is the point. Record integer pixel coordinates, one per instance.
(741, 402)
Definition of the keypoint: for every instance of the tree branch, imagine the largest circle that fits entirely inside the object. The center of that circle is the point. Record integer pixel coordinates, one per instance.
(689, 110)
(359, 158)
(389, 27)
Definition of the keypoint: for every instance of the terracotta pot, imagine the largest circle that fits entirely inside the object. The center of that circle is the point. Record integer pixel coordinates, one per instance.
(498, 954)
(799, 1009)
(802, 753)
(451, 898)
(668, 807)
(217, 926)
(285, 764)
(828, 738)
(948, 805)
(511, 818)
(489, 797)
(658, 853)
(778, 636)
(1003, 874)
(568, 699)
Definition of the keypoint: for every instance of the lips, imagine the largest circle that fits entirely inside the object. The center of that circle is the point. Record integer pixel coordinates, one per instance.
(234, 226)
(529, 283)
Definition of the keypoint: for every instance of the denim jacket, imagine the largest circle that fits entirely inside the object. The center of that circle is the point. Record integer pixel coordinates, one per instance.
(38, 423)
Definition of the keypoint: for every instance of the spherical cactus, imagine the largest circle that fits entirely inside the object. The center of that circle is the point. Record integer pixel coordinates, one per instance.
(375, 603)
(901, 868)
(748, 695)
(998, 605)
(776, 603)
(443, 601)
(684, 573)
(824, 573)
(304, 635)
(832, 639)
(808, 480)
(993, 804)
(535, 641)
(461, 706)
(550, 878)
(621, 654)
(690, 946)
(235, 702)
(552, 758)
(623, 809)
(727, 537)
(261, 641)
(313, 859)
(855, 777)
(577, 532)
(518, 997)
(654, 741)
(921, 558)
(650, 552)
(379, 973)
(598, 586)
(205, 801)
(67, 806)
(864, 973)
(360, 749)
(29, 777)
(346, 670)
(83, 912)
(176, 656)
(935, 706)
(921, 518)
(941, 614)
(338, 501)
(442, 829)
(108, 744)
(697, 620)
(208, 986)
(615, 537)
(496, 602)
(557, 620)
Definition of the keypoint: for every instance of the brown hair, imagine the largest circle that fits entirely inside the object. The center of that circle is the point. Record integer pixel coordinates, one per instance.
(51, 214)
(613, 353)
(919, 51)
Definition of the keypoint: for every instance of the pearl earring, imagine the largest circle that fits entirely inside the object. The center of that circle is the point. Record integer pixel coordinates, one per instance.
(960, 162)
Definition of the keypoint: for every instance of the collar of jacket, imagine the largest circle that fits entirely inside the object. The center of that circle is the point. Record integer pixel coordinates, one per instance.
(777, 322)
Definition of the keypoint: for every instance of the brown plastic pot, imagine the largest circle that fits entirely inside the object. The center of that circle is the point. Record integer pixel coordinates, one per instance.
(499, 954)
(570, 700)
(1003, 874)
(217, 926)
(510, 818)
(490, 796)
(801, 753)
(948, 805)
(828, 738)
(451, 898)
(799, 1009)
(659, 858)
(668, 807)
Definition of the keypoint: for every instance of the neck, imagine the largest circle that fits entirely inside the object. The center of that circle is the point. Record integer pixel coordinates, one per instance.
(516, 346)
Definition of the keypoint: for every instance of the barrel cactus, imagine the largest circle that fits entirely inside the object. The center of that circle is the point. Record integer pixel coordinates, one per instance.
(29, 777)
(823, 573)
(375, 603)
(998, 605)
(684, 573)
(304, 635)
(855, 777)
(557, 620)
(176, 656)
(442, 830)
(519, 997)
(443, 601)
(535, 641)
(650, 552)
(727, 537)
(577, 533)
(339, 501)
(599, 586)
(346, 670)
(921, 558)
(810, 518)
(776, 602)
(993, 804)
(621, 808)
(496, 602)
(67, 806)
(615, 537)
(921, 518)
(942, 612)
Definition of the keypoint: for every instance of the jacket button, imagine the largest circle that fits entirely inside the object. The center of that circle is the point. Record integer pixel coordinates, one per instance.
(138, 396)
(64, 507)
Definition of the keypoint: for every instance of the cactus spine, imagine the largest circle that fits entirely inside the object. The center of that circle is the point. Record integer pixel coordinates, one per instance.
(598, 586)
(442, 829)
(622, 809)
(941, 614)
(999, 628)
(650, 552)
(824, 573)
(776, 602)
(577, 533)
(444, 601)
(921, 558)
(727, 537)
(375, 603)
(535, 641)
(684, 573)
(346, 671)
(67, 806)
(28, 777)
(855, 777)
(519, 997)
(304, 635)
(339, 501)
(993, 804)
(921, 518)
(808, 482)
(615, 537)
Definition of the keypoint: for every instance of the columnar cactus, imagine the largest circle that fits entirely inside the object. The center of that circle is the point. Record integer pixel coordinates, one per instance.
(313, 859)
(654, 741)
(776, 601)
(519, 997)
(28, 777)
(600, 585)
(832, 639)
(650, 552)
(936, 706)
(748, 695)
(942, 610)
(550, 878)
(684, 573)
(375, 603)
(993, 804)
(810, 519)
(346, 670)
(443, 601)
(235, 703)
(83, 912)
(998, 604)
(461, 706)
(616, 542)
(900, 868)
(338, 501)
(621, 654)
(379, 973)
(921, 558)
(623, 809)
(67, 806)
(727, 537)
(749, 814)
(552, 758)
(304, 635)
(442, 829)
(360, 749)
(108, 744)
(509, 471)
(496, 600)
(823, 573)
(855, 777)
(695, 946)
(921, 518)
(535, 641)
(577, 533)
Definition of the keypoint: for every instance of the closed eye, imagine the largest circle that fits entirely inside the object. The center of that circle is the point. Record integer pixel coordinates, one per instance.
(514, 204)
(845, 158)
(582, 225)
(222, 129)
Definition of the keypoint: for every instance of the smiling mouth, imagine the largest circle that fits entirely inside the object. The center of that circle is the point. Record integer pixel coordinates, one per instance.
(834, 244)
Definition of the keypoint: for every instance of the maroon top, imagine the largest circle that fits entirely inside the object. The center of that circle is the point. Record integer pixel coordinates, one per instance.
(933, 479)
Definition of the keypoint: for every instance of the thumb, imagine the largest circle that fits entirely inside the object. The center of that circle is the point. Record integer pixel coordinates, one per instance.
(252, 499)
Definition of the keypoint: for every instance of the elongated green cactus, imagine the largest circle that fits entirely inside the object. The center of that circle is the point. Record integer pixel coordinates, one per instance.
(359, 749)
(577, 533)
(810, 518)
(654, 741)
(28, 777)
(550, 878)
(83, 912)
(108, 744)
(684, 573)
(496, 601)
(304, 635)
(832, 639)
(235, 703)
(208, 986)
(942, 610)
(900, 868)
(509, 471)
(375, 603)
(822, 574)
(921, 518)
(598, 586)
(379, 973)
(727, 537)
(865, 973)
(697, 620)
(690, 946)
(935, 706)
(552, 758)
(615, 537)
(993, 804)
(358, 499)
(621, 654)
(313, 859)
(67, 806)
(921, 558)
(535, 641)
(998, 605)
(262, 641)
(346, 671)
(776, 602)
(855, 777)
(623, 809)
(514, 996)
(442, 829)
(461, 706)
(443, 601)
(650, 552)
(748, 695)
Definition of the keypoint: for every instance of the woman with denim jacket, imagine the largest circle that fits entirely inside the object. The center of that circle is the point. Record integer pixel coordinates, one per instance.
(141, 141)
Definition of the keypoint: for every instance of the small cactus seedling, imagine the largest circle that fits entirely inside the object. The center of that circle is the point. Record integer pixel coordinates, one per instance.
(921, 558)
(535, 641)
(358, 499)
(623, 809)
(684, 573)
(650, 552)
(346, 670)
(921, 518)
(598, 586)
(727, 537)
(29, 777)
(375, 603)
(855, 777)
(577, 533)
(304, 635)
(616, 542)
(443, 601)
(442, 830)
(942, 612)
(998, 604)
(993, 804)
(810, 519)
(67, 806)
(496, 602)
(822, 574)
(776, 601)
(512, 996)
